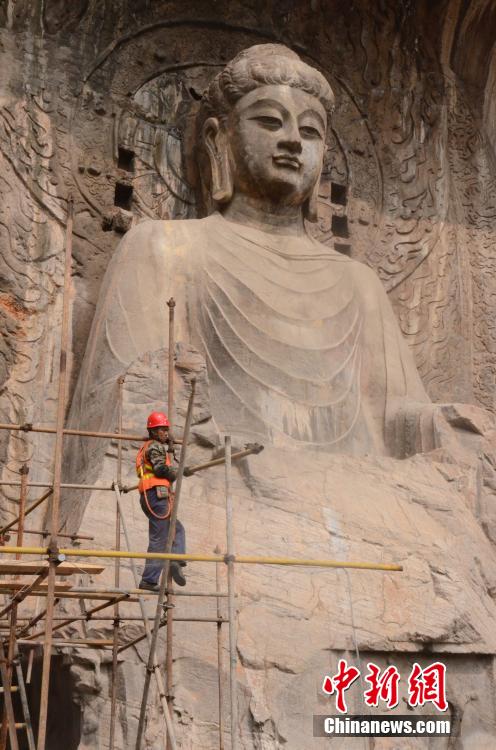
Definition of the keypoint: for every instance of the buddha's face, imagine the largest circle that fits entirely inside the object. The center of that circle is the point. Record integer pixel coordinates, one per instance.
(276, 139)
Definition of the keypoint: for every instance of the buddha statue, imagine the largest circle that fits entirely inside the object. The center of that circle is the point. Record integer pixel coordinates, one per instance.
(303, 353)
(301, 343)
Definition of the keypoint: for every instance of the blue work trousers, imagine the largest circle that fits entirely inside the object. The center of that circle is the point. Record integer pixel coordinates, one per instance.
(158, 531)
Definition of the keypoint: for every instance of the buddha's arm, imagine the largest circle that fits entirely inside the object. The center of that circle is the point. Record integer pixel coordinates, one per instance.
(411, 422)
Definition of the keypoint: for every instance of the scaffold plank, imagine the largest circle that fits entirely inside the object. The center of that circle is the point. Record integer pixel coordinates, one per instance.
(35, 567)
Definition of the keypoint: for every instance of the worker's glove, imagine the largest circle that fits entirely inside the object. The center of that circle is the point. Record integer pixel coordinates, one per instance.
(187, 471)
(171, 474)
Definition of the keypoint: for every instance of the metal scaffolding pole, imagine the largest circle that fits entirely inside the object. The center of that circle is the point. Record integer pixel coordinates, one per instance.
(231, 600)
(158, 677)
(11, 649)
(57, 475)
(7, 696)
(29, 510)
(170, 587)
(220, 659)
(115, 646)
(240, 559)
(151, 665)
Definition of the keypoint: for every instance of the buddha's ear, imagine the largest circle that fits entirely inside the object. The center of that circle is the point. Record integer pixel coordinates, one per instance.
(311, 206)
(215, 140)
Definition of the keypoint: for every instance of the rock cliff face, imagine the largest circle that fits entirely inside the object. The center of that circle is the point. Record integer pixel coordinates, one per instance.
(98, 101)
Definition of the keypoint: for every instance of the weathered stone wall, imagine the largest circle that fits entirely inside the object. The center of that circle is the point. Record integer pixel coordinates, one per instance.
(97, 99)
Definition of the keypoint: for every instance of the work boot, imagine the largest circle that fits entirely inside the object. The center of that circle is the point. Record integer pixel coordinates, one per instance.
(177, 574)
(148, 586)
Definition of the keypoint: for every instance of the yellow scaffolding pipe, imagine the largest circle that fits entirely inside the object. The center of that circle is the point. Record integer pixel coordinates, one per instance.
(244, 559)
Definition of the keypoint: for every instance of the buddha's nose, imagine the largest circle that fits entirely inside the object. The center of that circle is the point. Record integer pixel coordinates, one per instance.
(293, 145)
(291, 139)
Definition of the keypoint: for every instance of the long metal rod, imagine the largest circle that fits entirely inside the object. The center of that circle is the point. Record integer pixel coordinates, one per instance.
(70, 620)
(22, 506)
(123, 618)
(136, 640)
(170, 587)
(151, 664)
(69, 431)
(243, 559)
(75, 537)
(231, 600)
(190, 470)
(90, 592)
(11, 649)
(63, 486)
(29, 510)
(115, 645)
(25, 705)
(57, 478)
(14, 745)
(24, 592)
(248, 451)
(158, 677)
(31, 622)
(220, 656)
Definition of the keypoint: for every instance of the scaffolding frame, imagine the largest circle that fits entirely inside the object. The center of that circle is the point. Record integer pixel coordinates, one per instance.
(15, 630)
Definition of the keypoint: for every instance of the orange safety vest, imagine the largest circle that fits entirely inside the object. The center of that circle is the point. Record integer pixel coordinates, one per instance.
(144, 470)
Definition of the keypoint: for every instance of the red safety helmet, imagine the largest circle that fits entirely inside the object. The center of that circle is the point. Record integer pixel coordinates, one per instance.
(157, 419)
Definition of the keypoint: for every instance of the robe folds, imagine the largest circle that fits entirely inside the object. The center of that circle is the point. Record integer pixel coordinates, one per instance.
(301, 342)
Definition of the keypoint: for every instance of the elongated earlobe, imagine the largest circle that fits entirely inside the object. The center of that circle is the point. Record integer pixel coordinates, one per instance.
(311, 207)
(215, 142)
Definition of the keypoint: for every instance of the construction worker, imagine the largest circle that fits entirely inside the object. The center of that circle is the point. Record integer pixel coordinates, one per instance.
(156, 476)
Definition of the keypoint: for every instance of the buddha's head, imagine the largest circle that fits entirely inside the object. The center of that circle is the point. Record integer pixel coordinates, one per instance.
(263, 123)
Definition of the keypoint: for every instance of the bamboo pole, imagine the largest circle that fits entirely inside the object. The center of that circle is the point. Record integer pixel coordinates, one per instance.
(170, 587)
(158, 677)
(243, 559)
(57, 476)
(115, 645)
(151, 665)
(220, 659)
(231, 602)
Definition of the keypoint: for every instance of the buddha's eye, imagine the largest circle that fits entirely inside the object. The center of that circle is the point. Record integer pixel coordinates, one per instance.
(307, 131)
(268, 122)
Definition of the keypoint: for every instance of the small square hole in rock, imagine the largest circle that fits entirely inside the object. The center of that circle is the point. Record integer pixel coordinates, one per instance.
(339, 226)
(123, 195)
(125, 159)
(338, 194)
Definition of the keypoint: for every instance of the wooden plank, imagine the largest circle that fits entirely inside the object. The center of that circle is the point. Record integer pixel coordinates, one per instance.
(6, 586)
(33, 567)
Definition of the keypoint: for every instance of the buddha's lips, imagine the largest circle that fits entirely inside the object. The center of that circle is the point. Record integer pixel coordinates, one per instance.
(287, 161)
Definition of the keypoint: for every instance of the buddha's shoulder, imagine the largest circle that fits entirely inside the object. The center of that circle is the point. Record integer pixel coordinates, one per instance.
(165, 235)
(364, 278)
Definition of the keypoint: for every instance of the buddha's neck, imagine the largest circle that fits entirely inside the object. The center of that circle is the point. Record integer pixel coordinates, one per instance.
(275, 219)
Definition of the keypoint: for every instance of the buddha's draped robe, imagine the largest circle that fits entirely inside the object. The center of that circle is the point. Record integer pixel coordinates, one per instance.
(301, 342)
